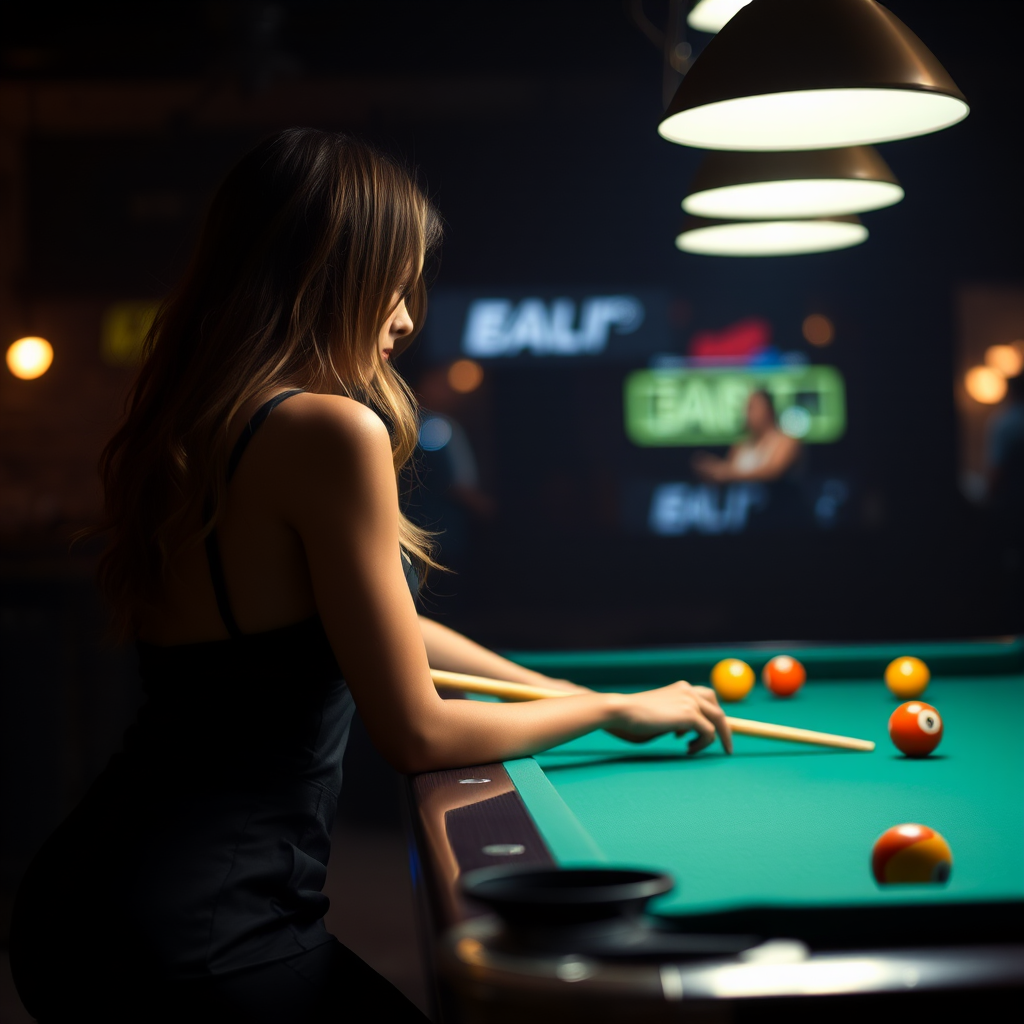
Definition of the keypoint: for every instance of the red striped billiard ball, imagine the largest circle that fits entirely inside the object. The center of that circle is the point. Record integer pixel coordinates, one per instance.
(911, 853)
(783, 675)
(915, 728)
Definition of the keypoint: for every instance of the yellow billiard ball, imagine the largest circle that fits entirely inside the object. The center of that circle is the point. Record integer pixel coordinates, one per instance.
(732, 679)
(907, 677)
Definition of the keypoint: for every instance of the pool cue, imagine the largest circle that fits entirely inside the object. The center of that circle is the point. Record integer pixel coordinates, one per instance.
(742, 726)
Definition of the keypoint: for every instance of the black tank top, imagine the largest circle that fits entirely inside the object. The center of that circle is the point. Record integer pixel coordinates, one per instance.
(203, 846)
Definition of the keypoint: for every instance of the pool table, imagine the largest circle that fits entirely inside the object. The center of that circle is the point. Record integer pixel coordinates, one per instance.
(774, 904)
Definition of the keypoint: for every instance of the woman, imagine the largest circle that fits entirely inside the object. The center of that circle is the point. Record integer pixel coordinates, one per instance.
(259, 559)
(765, 454)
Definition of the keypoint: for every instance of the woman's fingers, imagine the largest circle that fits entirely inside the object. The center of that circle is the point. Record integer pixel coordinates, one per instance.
(705, 734)
(679, 708)
(707, 703)
(713, 710)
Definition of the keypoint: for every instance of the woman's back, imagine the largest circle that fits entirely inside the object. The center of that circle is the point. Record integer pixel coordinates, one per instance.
(261, 553)
(202, 849)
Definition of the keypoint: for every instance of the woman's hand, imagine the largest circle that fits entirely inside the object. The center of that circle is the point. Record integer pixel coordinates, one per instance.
(678, 708)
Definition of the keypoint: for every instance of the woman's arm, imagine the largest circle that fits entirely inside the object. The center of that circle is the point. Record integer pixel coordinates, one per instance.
(713, 467)
(453, 652)
(783, 453)
(338, 492)
(781, 456)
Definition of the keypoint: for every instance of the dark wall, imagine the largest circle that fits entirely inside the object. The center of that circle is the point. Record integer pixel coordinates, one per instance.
(555, 177)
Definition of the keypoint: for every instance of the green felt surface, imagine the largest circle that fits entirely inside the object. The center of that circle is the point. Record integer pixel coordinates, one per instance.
(788, 825)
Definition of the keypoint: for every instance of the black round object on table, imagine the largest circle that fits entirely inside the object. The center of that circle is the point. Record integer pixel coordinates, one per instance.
(547, 910)
(571, 896)
(591, 911)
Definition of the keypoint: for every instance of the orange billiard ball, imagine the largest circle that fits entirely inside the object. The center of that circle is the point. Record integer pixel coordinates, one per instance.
(911, 853)
(907, 677)
(783, 675)
(732, 679)
(915, 728)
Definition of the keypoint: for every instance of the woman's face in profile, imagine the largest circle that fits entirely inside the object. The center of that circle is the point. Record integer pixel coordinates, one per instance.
(397, 326)
(759, 414)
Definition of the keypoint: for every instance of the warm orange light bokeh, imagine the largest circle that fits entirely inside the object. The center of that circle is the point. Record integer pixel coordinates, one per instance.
(1006, 359)
(818, 330)
(28, 358)
(465, 375)
(985, 385)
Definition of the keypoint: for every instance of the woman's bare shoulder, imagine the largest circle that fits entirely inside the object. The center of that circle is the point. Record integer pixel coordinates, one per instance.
(330, 425)
(326, 443)
(332, 467)
(331, 414)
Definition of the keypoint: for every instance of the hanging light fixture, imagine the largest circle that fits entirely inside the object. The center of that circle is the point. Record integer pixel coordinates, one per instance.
(710, 15)
(818, 183)
(810, 74)
(782, 237)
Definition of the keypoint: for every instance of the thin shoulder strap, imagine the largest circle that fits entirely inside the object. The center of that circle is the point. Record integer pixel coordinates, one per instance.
(220, 586)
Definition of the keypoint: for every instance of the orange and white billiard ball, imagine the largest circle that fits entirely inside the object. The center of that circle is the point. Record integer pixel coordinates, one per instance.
(907, 677)
(732, 679)
(783, 675)
(915, 728)
(911, 853)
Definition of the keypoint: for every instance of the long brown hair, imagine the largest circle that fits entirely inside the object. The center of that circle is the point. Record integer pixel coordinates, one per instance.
(304, 248)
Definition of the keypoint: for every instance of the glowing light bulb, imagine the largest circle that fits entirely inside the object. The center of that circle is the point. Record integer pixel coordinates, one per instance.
(813, 119)
(465, 375)
(1005, 359)
(806, 198)
(771, 237)
(28, 358)
(985, 385)
(710, 15)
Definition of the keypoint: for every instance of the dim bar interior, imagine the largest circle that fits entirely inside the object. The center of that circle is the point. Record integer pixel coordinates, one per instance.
(794, 418)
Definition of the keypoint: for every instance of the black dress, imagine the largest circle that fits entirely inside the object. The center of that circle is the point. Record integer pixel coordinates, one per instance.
(188, 882)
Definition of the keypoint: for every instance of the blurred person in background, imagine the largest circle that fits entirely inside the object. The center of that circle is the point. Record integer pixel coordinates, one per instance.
(765, 454)
(1005, 505)
(448, 495)
(1005, 457)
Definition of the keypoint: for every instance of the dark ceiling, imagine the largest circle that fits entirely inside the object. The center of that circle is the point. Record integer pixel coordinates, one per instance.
(403, 37)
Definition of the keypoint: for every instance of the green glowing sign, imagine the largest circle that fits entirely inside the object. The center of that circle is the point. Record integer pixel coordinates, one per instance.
(687, 407)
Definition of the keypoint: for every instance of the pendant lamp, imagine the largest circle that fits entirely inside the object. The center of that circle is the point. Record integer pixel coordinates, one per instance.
(811, 74)
(791, 237)
(816, 183)
(710, 15)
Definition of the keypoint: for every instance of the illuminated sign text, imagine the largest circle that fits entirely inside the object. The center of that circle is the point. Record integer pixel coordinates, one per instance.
(684, 407)
(560, 327)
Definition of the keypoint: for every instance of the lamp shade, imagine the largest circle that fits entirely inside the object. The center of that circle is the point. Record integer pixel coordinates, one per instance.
(815, 183)
(710, 15)
(811, 74)
(769, 237)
